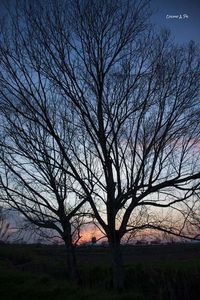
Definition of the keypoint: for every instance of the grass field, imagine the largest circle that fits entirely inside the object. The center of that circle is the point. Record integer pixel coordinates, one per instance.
(152, 272)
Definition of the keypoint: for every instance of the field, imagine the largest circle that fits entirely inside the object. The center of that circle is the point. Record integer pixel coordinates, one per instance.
(152, 272)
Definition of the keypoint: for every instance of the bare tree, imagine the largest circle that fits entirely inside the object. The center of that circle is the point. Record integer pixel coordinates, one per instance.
(34, 178)
(127, 95)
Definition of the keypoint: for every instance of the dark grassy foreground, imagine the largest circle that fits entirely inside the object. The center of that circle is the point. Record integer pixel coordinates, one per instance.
(152, 272)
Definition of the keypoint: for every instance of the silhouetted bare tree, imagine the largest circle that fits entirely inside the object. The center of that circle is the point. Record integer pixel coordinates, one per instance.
(34, 177)
(95, 71)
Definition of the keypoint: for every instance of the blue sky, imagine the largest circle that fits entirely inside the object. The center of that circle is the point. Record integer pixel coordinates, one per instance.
(183, 30)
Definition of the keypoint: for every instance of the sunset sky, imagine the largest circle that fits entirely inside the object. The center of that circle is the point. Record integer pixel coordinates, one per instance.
(183, 29)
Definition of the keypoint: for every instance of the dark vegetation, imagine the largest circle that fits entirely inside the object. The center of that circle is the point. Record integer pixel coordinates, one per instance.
(152, 272)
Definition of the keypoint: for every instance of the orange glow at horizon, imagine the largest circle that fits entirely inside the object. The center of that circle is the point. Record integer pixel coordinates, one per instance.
(87, 233)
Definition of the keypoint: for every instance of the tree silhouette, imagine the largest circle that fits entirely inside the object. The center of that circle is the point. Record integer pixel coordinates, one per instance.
(118, 101)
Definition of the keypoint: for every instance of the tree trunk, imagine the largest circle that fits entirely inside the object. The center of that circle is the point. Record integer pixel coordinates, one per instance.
(72, 269)
(118, 272)
(71, 263)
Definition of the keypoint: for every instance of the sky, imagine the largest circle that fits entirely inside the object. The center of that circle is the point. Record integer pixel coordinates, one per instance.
(182, 17)
(165, 15)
